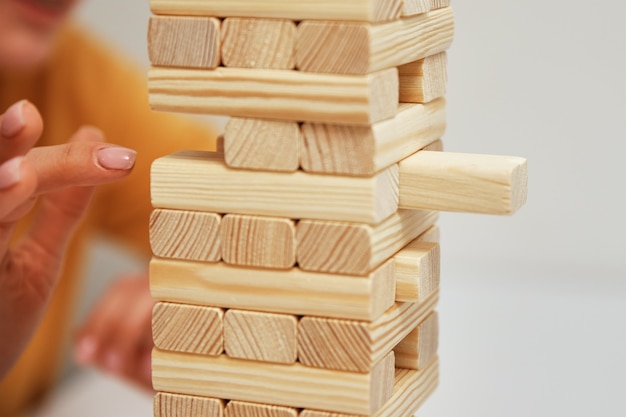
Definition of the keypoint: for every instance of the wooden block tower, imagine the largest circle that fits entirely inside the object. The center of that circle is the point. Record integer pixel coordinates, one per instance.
(297, 268)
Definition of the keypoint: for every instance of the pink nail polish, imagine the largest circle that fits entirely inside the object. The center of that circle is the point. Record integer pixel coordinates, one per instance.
(116, 158)
(10, 172)
(13, 120)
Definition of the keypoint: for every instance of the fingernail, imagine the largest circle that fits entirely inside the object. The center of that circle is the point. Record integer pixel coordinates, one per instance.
(10, 172)
(116, 158)
(86, 350)
(13, 120)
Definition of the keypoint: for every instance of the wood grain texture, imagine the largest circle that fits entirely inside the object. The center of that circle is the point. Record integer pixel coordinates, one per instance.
(365, 150)
(182, 234)
(417, 270)
(184, 41)
(262, 144)
(195, 180)
(291, 385)
(488, 184)
(363, 48)
(187, 328)
(263, 242)
(290, 292)
(424, 80)
(244, 409)
(357, 249)
(413, 7)
(420, 346)
(259, 43)
(178, 405)
(366, 10)
(276, 94)
(356, 346)
(411, 389)
(260, 336)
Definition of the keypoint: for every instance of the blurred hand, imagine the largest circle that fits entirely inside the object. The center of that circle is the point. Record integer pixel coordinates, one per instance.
(117, 335)
(62, 178)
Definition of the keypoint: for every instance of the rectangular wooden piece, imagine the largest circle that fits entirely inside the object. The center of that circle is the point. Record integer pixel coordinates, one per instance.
(245, 409)
(420, 346)
(180, 405)
(424, 80)
(417, 270)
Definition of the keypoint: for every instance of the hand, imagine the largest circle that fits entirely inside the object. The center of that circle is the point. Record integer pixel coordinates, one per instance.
(62, 179)
(117, 336)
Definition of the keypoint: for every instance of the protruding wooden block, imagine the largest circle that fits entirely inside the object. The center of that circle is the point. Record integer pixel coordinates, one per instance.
(352, 248)
(178, 405)
(356, 346)
(424, 80)
(182, 234)
(367, 10)
(413, 7)
(262, 144)
(420, 346)
(244, 409)
(195, 180)
(291, 385)
(263, 242)
(363, 48)
(365, 150)
(417, 270)
(259, 43)
(447, 181)
(276, 94)
(187, 328)
(184, 41)
(291, 292)
(260, 336)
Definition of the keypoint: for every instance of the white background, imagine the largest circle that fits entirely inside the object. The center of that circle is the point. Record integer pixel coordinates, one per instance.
(533, 307)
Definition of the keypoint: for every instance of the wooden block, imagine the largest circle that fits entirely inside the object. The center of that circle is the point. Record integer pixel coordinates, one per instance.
(420, 346)
(357, 249)
(417, 270)
(438, 4)
(366, 10)
(189, 235)
(262, 144)
(291, 385)
(260, 336)
(195, 180)
(244, 409)
(410, 390)
(263, 242)
(276, 94)
(356, 346)
(177, 405)
(365, 150)
(184, 41)
(259, 43)
(424, 80)
(413, 7)
(363, 48)
(291, 292)
(190, 329)
(471, 183)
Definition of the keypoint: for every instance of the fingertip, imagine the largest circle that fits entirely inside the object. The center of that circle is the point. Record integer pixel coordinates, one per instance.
(85, 350)
(11, 172)
(117, 158)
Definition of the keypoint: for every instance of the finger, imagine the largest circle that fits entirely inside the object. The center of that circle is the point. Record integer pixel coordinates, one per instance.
(20, 128)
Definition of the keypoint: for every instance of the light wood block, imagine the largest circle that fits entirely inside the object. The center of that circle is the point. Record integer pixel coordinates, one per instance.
(291, 385)
(438, 4)
(177, 405)
(356, 346)
(357, 249)
(363, 48)
(366, 10)
(365, 150)
(424, 80)
(195, 180)
(184, 41)
(190, 329)
(413, 7)
(290, 292)
(411, 389)
(262, 144)
(417, 270)
(182, 234)
(276, 94)
(263, 242)
(265, 337)
(420, 346)
(259, 43)
(470, 183)
(244, 409)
